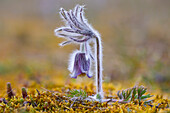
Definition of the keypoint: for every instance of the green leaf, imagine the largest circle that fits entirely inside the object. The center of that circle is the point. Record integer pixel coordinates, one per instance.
(129, 92)
(133, 93)
(123, 93)
(118, 94)
(98, 96)
(127, 98)
(146, 96)
(136, 96)
(77, 93)
(144, 91)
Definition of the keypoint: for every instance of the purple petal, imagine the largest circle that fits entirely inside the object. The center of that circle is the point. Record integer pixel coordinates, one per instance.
(81, 65)
(76, 70)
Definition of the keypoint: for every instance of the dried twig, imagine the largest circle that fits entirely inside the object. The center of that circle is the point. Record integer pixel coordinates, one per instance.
(9, 90)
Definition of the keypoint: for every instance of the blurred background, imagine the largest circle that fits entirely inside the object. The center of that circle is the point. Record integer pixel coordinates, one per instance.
(135, 34)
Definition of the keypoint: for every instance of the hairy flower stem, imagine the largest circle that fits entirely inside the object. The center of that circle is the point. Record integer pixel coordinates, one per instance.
(99, 66)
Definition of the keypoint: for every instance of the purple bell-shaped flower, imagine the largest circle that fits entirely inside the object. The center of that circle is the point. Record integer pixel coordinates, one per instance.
(81, 65)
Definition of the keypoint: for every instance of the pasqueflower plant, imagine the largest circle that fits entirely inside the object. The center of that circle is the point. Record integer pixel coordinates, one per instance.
(78, 31)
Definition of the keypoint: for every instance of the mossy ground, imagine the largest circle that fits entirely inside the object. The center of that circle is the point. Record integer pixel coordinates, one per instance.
(60, 95)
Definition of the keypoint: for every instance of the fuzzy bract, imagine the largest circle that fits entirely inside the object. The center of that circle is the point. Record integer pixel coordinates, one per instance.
(77, 30)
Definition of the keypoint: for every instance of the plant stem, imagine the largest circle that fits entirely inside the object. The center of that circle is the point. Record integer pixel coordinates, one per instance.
(99, 66)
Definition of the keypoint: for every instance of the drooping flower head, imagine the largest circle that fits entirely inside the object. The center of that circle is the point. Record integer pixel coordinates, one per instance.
(81, 65)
